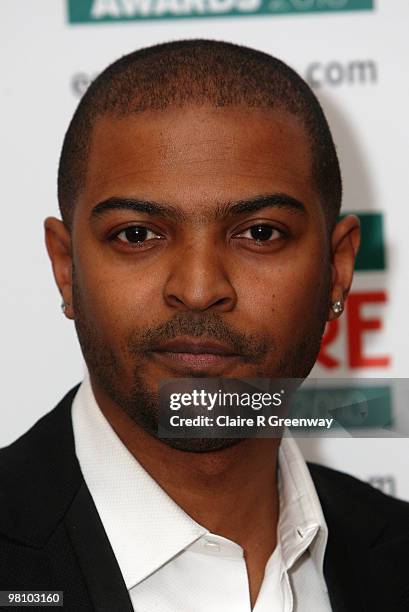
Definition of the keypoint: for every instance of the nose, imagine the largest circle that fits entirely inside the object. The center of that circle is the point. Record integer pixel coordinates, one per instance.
(198, 281)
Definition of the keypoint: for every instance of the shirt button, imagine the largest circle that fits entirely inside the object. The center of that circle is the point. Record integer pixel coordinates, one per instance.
(212, 545)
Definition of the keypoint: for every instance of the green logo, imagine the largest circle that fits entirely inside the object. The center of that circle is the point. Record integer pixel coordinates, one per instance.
(352, 407)
(103, 11)
(371, 254)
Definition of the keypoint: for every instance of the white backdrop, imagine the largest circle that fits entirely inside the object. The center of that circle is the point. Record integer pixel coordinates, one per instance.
(357, 62)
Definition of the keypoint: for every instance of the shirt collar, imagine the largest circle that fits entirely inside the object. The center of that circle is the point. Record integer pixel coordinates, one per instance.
(302, 524)
(144, 525)
(146, 528)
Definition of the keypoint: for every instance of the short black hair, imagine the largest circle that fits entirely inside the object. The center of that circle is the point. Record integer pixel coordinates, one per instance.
(215, 73)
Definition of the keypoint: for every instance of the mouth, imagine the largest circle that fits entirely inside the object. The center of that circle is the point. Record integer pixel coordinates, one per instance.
(187, 355)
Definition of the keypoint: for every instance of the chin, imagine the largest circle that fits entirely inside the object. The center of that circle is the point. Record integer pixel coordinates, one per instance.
(201, 445)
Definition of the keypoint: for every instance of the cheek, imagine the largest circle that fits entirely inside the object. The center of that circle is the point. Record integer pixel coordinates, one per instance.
(115, 294)
(287, 297)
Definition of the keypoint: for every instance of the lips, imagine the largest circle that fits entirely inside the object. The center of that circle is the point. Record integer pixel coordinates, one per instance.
(195, 346)
(195, 354)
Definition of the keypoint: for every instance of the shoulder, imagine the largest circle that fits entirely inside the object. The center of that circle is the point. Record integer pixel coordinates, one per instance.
(351, 502)
(39, 474)
(23, 459)
(339, 486)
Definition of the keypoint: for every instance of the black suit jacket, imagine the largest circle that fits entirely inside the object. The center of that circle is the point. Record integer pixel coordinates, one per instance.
(51, 536)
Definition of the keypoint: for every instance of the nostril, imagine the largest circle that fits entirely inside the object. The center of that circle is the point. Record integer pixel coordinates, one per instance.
(222, 301)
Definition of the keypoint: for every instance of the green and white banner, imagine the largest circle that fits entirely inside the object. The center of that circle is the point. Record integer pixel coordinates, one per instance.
(103, 11)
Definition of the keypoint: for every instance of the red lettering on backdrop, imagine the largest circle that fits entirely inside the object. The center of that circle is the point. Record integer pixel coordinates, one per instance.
(357, 325)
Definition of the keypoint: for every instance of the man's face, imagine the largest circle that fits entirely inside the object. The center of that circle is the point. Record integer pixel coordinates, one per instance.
(200, 248)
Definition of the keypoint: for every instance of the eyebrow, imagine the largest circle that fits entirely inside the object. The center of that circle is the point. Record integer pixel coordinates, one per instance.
(223, 210)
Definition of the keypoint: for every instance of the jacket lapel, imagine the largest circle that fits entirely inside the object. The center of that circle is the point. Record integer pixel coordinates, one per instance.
(95, 556)
(344, 586)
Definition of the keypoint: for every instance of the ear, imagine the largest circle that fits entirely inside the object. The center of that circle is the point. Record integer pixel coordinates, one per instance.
(58, 242)
(345, 241)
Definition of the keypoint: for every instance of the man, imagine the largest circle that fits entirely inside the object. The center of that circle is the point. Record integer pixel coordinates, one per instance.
(199, 189)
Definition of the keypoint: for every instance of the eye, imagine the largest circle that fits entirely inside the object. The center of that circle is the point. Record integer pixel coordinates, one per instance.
(135, 234)
(262, 232)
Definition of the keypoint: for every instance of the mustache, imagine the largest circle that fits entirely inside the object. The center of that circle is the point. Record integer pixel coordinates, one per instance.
(250, 347)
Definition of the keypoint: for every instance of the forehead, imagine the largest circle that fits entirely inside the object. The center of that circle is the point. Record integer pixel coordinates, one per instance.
(197, 156)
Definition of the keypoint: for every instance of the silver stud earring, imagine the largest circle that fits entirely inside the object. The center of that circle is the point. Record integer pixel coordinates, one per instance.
(337, 307)
(64, 306)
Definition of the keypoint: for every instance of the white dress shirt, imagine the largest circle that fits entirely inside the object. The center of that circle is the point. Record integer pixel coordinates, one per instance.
(169, 562)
